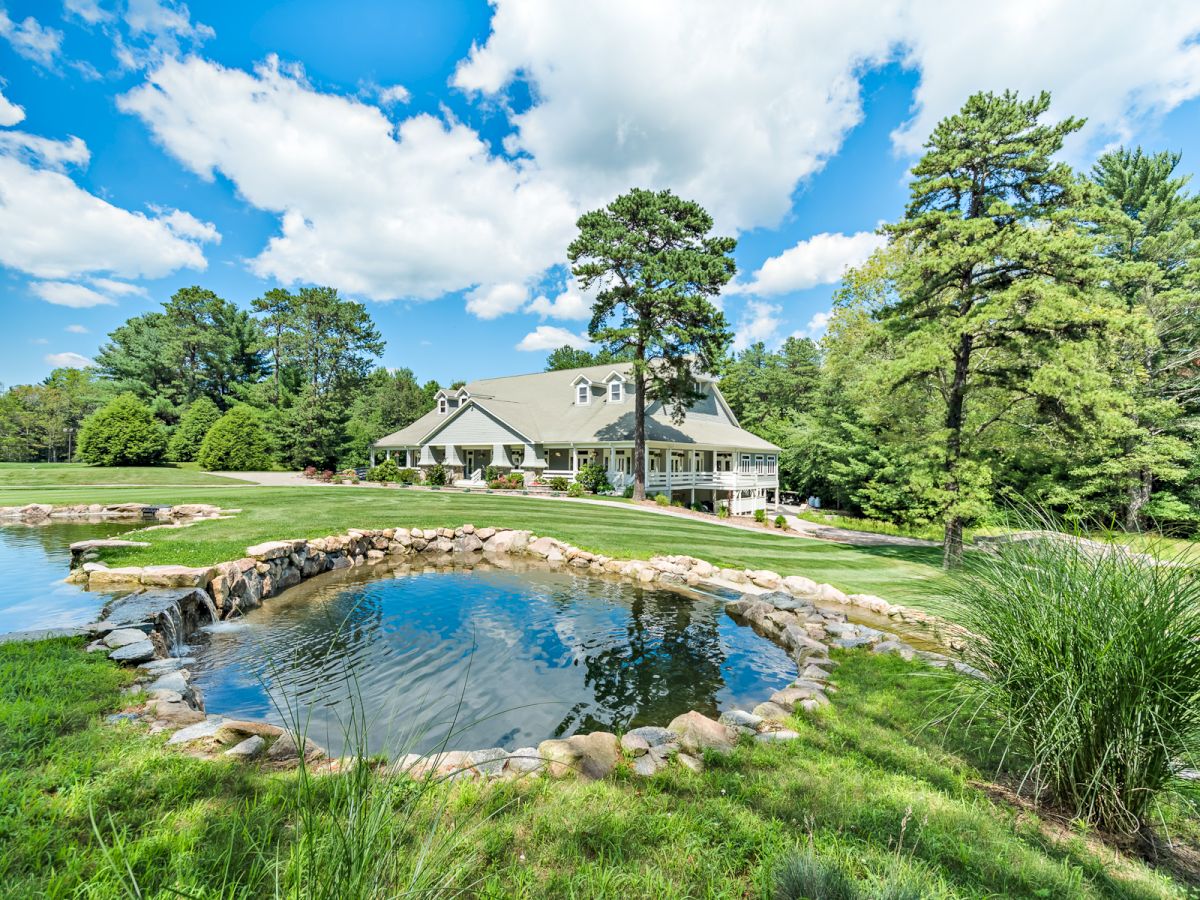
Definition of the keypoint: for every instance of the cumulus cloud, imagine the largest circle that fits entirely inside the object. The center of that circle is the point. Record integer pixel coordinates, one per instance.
(119, 288)
(571, 303)
(751, 99)
(52, 228)
(490, 301)
(816, 326)
(77, 329)
(759, 322)
(397, 93)
(66, 293)
(10, 113)
(384, 211)
(820, 259)
(31, 39)
(551, 337)
(67, 360)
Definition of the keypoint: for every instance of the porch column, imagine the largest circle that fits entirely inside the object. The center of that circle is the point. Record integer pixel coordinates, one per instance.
(372, 457)
(669, 464)
(387, 454)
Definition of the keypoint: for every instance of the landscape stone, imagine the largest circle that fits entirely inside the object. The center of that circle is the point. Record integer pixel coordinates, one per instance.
(203, 729)
(560, 756)
(690, 762)
(247, 749)
(649, 763)
(739, 718)
(599, 753)
(782, 734)
(287, 749)
(698, 733)
(523, 760)
(134, 653)
(772, 712)
(488, 762)
(635, 745)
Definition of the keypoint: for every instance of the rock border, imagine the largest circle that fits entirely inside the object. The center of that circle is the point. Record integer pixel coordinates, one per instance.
(169, 602)
(35, 513)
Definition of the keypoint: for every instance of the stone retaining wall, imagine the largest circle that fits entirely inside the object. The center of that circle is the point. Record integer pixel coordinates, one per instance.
(44, 512)
(170, 601)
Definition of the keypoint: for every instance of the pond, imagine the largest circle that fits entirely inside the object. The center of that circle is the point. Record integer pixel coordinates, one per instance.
(408, 657)
(35, 560)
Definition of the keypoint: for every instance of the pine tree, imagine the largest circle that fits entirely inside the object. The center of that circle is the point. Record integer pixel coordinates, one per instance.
(656, 268)
(998, 291)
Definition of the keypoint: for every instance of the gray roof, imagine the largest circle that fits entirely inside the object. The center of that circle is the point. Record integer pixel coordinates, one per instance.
(541, 407)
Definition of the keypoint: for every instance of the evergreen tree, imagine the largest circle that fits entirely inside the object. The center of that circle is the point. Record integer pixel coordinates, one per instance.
(122, 433)
(998, 291)
(235, 443)
(1151, 229)
(568, 357)
(655, 267)
(188, 435)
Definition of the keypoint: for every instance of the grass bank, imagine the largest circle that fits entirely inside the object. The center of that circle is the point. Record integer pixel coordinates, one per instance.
(20, 477)
(901, 574)
(864, 787)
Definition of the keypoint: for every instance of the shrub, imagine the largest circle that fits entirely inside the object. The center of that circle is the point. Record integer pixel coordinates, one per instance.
(594, 477)
(310, 472)
(408, 476)
(517, 478)
(628, 492)
(558, 483)
(510, 482)
(760, 516)
(350, 475)
(184, 445)
(491, 473)
(575, 490)
(805, 875)
(385, 471)
(723, 512)
(436, 476)
(236, 443)
(123, 432)
(662, 500)
(780, 522)
(1091, 670)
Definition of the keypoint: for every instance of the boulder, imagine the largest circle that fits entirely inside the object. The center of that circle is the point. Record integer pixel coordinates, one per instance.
(698, 733)
(783, 734)
(690, 762)
(523, 760)
(271, 550)
(248, 749)
(772, 712)
(176, 576)
(138, 652)
(286, 749)
(489, 762)
(598, 752)
(740, 719)
(800, 586)
(896, 648)
(233, 730)
(206, 728)
(175, 713)
(650, 763)
(122, 637)
(635, 745)
(560, 757)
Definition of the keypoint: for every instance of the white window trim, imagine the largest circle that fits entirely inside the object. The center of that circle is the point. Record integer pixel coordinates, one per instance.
(443, 406)
(583, 394)
(616, 391)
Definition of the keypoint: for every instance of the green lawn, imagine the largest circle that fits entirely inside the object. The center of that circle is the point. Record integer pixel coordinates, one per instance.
(900, 574)
(21, 476)
(896, 806)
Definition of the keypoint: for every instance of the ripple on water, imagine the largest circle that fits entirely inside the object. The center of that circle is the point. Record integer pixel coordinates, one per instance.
(482, 657)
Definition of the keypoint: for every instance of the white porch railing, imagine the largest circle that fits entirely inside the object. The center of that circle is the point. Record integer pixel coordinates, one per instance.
(722, 481)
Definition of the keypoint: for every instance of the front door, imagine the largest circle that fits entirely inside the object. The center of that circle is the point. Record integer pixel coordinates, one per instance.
(473, 459)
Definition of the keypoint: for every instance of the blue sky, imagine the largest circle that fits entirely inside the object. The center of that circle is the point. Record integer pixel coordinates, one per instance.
(430, 158)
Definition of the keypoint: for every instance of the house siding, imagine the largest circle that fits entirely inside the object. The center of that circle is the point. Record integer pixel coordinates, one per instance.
(474, 426)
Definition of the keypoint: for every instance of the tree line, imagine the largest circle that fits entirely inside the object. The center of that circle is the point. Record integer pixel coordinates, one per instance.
(297, 374)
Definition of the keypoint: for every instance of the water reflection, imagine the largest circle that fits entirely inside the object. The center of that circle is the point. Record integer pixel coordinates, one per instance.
(496, 656)
(35, 560)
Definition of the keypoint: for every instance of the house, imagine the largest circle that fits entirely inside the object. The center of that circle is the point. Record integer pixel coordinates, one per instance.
(551, 423)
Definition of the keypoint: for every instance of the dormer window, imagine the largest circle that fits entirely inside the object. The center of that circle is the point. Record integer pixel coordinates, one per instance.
(442, 405)
(583, 394)
(616, 392)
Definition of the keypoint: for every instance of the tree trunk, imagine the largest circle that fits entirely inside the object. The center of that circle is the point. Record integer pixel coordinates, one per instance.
(952, 544)
(639, 437)
(1139, 496)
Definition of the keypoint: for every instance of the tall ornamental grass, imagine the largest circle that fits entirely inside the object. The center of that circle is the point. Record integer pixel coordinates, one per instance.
(1091, 658)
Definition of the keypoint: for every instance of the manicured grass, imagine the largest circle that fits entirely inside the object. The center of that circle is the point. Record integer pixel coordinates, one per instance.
(16, 476)
(900, 574)
(864, 787)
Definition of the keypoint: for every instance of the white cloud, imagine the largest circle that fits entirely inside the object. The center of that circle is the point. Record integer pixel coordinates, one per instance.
(52, 228)
(571, 303)
(31, 39)
(65, 293)
(551, 337)
(734, 105)
(77, 329)
(820, 259)
(185, 225)
(119, 288)
(759, 322)
(89, 11)
(383, 211)
(10, 113)
(39, 341)
(816, 326)
(489, 301)
(397, 93)
(67, 360)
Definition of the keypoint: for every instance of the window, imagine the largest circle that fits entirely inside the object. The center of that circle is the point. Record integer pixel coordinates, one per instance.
(759, 464)
(616, 392)
(744, 467)
(771, 465)
(582, 394)
(442, 405)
